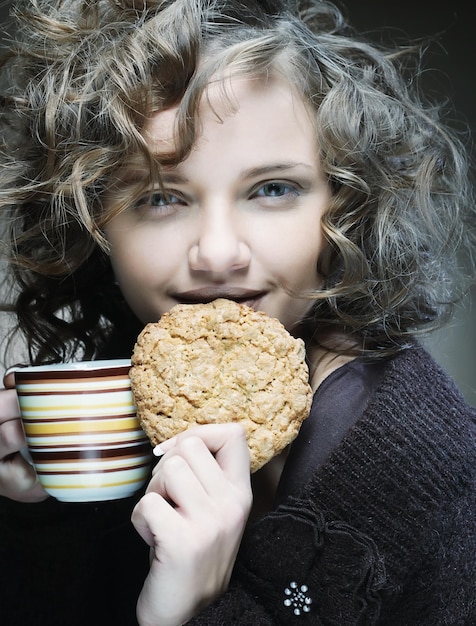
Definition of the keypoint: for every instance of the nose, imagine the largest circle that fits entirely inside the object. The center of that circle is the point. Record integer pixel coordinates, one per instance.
(220, 247)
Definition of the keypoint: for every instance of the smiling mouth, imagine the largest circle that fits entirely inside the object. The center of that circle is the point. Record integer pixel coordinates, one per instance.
(205, 295)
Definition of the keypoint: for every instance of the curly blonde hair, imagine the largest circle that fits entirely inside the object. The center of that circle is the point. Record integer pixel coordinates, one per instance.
(84, 76)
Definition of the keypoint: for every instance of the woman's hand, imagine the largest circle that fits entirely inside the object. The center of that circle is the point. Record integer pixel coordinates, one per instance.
(193, 516)
(18, 479)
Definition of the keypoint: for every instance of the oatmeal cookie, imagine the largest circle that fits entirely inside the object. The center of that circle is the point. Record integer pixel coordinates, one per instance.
(221, 362)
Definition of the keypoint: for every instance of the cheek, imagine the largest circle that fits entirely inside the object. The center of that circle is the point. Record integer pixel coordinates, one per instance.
(143, 256)
(295, 260)
(140, 279)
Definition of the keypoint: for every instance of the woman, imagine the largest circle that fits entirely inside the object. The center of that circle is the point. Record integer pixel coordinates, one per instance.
(185, 151)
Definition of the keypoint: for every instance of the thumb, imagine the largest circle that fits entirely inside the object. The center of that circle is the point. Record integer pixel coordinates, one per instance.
(9, 377)
(9, 380)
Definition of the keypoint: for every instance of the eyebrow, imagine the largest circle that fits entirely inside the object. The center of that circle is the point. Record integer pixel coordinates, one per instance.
(253, 172)
(173, 177)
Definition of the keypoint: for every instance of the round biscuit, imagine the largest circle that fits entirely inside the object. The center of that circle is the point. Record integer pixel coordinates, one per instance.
(221, 362)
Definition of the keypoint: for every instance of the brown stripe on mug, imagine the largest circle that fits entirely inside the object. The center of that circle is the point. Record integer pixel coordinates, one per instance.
(76, 418)
(70, 392)
(103, 470)
(73, 374)
(90, 453)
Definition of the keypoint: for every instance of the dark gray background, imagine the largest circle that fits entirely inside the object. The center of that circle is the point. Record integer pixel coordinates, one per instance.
(451, 73)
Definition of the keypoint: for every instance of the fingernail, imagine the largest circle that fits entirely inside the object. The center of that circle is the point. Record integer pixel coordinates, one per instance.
(164, 447)
(158, 451)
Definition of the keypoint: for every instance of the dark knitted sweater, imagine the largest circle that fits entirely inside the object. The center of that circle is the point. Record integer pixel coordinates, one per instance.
(383, 532)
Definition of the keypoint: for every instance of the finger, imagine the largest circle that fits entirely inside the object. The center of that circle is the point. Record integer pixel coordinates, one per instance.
(12, 437)
(227, 442)
(201, 473)
(9, 375)
(151, 516)
(9, 407)
(19, 481)
(178, 483)
(9, 379)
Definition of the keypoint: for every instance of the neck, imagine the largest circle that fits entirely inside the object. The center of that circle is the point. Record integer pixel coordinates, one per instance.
(322, 363)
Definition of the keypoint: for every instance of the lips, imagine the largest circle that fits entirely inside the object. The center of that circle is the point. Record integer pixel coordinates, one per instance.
(203, 295)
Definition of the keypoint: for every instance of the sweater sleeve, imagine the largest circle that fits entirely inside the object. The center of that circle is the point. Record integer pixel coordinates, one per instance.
(236, 606)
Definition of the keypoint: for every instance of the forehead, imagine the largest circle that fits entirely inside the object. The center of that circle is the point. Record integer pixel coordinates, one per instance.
(239, 99)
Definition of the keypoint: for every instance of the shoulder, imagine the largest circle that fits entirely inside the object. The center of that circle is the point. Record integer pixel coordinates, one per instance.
(414, 384)
(409, 460)
(422, 418)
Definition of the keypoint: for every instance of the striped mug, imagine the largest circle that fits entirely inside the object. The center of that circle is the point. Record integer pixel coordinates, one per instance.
(82, 432)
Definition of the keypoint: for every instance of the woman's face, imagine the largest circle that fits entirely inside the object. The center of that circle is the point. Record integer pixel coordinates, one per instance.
(238, 219)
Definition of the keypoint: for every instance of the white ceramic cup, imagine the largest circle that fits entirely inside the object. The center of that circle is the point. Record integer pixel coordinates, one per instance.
(81, 428)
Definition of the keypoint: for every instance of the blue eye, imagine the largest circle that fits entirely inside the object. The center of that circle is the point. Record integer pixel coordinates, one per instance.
(158, 202)
(158, 199)
(276, 195)
(275, 190)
